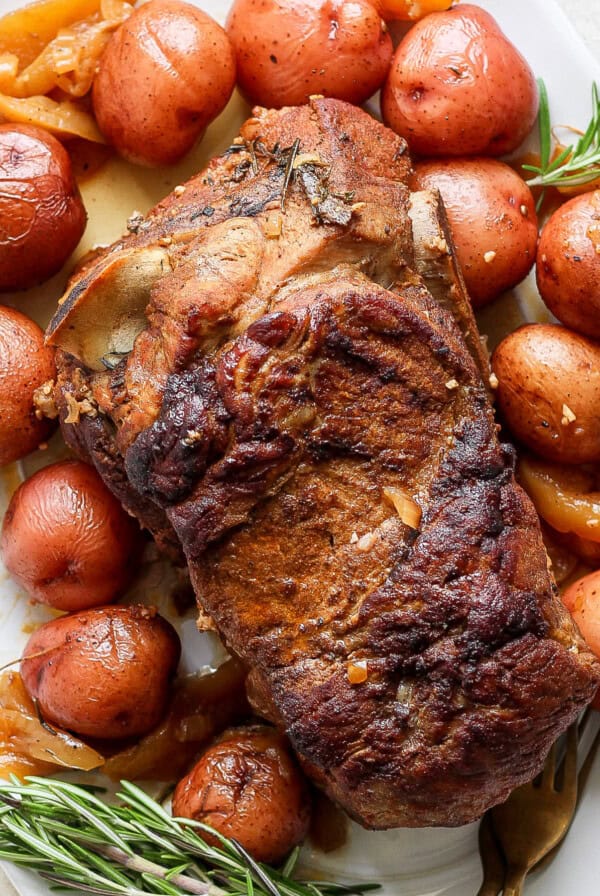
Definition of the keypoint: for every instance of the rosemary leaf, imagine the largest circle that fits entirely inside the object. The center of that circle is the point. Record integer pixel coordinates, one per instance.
(291, 863)
(544, 124)
(74, 840)
(575, 165)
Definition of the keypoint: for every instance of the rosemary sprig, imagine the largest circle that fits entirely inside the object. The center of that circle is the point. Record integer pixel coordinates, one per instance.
(74, 840)
(576, 164)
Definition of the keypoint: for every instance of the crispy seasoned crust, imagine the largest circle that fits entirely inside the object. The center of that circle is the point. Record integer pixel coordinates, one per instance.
(473, 668)
(292, 389)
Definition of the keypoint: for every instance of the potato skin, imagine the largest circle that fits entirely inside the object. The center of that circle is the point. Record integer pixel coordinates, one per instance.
(42, 217)
(166, 73)
(458, 87)
(66, 539)
(582, 600)
(500, 251)
(297, 48)
(247, 786)
(540, 369)
(568, 264)
(104, 673)
(25, 364)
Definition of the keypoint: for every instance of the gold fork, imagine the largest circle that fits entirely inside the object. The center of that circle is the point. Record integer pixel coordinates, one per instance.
(533, 821)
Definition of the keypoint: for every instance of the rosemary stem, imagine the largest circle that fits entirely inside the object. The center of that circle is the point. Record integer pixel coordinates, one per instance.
(77, 841)
(143, 866)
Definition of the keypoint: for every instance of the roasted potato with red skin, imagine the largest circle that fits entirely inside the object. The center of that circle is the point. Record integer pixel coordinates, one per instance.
(295, 49)
(42, 217)
(66, 539)
(500, 251)
(248, 786)
(103, 673)
(458, 87)
(165, 74)
(568, 264)
(549, 391)
(582, 600)
(25, 364)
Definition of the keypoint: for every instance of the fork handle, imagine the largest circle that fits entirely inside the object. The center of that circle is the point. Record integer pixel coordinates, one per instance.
(515, 878)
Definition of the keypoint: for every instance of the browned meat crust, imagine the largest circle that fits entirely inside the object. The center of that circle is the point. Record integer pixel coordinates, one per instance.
(324, 410)
(292, 386)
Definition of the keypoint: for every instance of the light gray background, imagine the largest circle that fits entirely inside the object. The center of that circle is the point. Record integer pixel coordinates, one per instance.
(585, 15)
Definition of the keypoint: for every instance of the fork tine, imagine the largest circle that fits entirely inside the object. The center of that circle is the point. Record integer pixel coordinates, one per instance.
(569, 764)
(586, 768)
(492, 860)
(549, 770)
(582, 778)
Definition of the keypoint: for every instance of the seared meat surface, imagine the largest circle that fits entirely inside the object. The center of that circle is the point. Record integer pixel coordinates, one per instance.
(294, 395)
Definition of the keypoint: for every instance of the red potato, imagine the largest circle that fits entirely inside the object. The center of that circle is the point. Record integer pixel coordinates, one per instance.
(549, 391)
(499, 252)
(248, 786)
(25, 365)
(568, 264)
(458, 87)
(42, 217)
(582, 600)
(66, 539)
(166, 73)
(298, 48)
(103, 673)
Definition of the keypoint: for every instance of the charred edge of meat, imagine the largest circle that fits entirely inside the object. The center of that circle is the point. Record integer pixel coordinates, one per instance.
(172, 454)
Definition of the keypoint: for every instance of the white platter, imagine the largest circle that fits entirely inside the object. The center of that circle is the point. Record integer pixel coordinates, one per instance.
(408, 863)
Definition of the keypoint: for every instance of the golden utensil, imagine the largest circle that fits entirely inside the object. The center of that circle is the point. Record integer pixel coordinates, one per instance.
(532, 823)
(492, 860)
(537, 816)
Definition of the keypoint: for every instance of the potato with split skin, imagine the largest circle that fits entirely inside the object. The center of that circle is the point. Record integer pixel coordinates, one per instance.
(289, 50)
(66, 539)
(103, 673)
(458, 87)
(165, 74)
(42, 217)
(248, 786)
(499, 251)
(568, 264)
(26, 364)
(549, 391)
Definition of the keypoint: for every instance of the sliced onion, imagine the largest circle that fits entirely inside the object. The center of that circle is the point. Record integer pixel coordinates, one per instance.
(30, 738)
(65, 119)
(565, 497)
(29, 747)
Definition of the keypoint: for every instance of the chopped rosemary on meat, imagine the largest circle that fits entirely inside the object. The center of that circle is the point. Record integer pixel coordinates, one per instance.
(74, 840)
(289, 171)
(571, 166)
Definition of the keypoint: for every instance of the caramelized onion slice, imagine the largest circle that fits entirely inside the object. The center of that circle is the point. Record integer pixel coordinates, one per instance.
(29, 746)
(26, 31)
(565, 497)
(410, 10)
(64, 119)
(30, 737)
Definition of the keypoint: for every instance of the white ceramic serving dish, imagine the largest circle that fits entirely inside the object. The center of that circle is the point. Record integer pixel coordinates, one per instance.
(407, 862)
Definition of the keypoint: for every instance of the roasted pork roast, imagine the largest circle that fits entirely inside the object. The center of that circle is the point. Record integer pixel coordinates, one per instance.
(278, 373)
